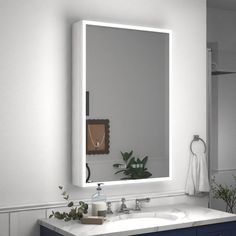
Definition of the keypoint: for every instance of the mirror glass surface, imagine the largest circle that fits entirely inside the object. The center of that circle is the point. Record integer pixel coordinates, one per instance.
(127, 80)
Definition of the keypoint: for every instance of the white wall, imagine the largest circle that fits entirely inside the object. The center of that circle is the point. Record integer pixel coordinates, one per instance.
(221, 30)
(35, 90)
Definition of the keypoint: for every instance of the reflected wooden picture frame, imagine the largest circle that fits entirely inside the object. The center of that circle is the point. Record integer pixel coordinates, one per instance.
(97, 136)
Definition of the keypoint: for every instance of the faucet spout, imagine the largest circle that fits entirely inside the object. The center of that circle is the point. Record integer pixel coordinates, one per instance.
(123, 207)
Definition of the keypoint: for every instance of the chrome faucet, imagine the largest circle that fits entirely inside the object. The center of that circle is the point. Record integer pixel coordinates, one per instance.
(138, 202)
(123, 207)
(109, 210)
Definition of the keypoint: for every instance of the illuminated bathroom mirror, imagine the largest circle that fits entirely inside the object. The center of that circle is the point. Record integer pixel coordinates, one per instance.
(121, 104)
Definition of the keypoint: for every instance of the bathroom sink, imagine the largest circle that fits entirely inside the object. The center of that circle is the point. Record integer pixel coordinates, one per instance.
(167, 216)
(138, 215)
(137, 223)
(160, 215)
(142, 220)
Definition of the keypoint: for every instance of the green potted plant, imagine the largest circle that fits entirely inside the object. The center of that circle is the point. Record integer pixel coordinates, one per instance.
(75, 213)
(227, 193)
(132, 168)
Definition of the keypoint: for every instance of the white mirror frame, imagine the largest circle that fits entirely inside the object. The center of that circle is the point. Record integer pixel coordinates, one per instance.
(79, 103)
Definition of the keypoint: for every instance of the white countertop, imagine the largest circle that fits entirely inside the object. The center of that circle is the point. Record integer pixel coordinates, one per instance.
(148, 220)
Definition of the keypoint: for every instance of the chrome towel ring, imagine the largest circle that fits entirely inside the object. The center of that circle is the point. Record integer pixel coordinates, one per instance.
(197, 138)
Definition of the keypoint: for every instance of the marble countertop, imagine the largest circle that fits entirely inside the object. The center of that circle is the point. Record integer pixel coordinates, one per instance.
(148, 220)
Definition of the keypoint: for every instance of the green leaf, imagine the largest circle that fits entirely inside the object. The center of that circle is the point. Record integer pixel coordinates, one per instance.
(147, 174)
(119, 171)
(123, 155)
(117, 165)
(58, 215)
(130, 154)
(144, 161)
(72, 212)
(67, 219)
(132, 161)
(70, 204)
(85, 206)
(126, 155)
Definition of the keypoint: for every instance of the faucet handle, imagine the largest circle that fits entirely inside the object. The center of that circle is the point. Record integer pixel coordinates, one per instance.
(138, 202)
(147, 199)
(109, 211)
(137, 205)
(123, 206)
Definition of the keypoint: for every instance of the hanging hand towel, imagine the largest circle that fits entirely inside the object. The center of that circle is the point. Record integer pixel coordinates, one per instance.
(197, 178)
(191, 176)
(203, 182)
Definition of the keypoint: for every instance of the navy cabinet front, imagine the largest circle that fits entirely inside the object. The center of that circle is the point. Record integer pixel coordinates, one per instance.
(222, 229)
(48, 232)
(176, 232)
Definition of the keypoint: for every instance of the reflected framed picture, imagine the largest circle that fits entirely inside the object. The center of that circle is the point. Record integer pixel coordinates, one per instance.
(97, 136)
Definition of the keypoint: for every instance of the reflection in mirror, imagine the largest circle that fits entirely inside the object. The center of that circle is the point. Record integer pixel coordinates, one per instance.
(97, 137)
(127, 76)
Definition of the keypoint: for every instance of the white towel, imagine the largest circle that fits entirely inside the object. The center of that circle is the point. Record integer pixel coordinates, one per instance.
(197, 179)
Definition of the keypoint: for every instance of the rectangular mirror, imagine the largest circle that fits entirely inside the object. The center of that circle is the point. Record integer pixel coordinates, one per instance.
(122, 74)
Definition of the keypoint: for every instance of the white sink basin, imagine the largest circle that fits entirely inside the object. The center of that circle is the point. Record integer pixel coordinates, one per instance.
(171, 216)
(149, 215)
(160, 215)
(137, 223)
(142, 220)
(167, 216)
(138, 215)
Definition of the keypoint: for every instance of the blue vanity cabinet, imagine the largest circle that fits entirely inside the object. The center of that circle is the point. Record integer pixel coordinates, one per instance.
(221, 229)
(176, 232)
(48, 232)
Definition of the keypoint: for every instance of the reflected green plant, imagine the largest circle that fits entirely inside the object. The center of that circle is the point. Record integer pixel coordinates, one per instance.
(132, 168)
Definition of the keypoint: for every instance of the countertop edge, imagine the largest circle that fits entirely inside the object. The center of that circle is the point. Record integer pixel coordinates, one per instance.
(149, 229)
(57, 225)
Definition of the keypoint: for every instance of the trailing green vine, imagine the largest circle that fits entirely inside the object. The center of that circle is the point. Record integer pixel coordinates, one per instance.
(75, 213)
